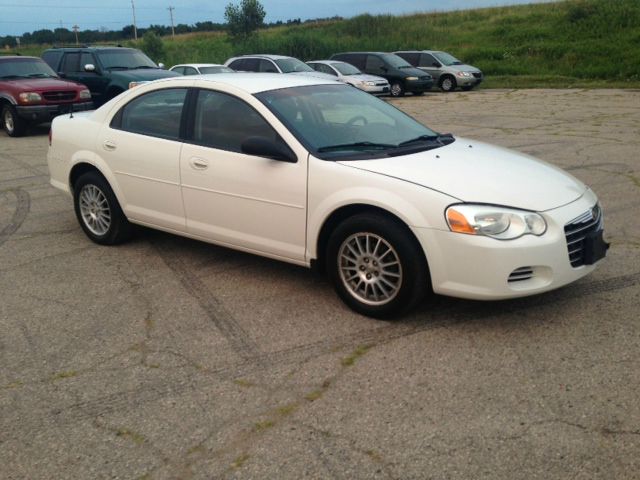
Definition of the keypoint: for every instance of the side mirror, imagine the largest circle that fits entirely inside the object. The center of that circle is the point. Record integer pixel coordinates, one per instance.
(62, 75)
(90, 67)
(264, 147)
(161, 65)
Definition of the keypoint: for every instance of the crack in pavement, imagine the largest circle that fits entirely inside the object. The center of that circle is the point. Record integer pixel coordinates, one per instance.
(23, 206)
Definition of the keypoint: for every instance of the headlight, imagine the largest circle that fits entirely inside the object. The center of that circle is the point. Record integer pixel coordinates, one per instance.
(84, 94)
(464, 74)
(411, 78)
(30, 97)
(495, 222)
(370, 84)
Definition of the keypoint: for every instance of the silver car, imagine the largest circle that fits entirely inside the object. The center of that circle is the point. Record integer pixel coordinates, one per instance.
(200, 68)
(347, 73)
(447, 71)
(274, 64)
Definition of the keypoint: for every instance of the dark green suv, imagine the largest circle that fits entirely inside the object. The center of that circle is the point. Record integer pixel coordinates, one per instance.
(107, 71)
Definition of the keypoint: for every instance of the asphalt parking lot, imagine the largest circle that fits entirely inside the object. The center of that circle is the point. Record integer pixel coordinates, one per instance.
(169, 358)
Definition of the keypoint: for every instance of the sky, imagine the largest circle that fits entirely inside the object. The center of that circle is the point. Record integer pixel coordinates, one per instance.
(19, 16)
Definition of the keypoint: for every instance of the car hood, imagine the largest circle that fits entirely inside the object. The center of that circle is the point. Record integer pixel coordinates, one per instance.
(413, 72)
(477, 172)
(323, 76)
(41, 84)
(142, 74)
(463, 68)
(365, 77)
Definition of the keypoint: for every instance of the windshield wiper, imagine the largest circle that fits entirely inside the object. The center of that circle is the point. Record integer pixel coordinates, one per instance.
(143, 66)
(358, 145)
(13, 76)
(118, 67)
(40, 75)
(421, 138)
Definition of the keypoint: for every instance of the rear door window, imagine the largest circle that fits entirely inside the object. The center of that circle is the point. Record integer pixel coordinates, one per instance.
(156, 114)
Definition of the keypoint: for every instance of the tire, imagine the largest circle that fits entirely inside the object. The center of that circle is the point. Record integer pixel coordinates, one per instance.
(447, 83)
(98, 210)
(397, 89)
(360, 262)
(418, 94)
(11, 122)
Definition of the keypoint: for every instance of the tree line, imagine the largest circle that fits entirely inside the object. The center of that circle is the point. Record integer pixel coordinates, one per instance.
(66, 36)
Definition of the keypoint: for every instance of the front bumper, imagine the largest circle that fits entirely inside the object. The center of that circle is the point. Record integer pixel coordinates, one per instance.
(375, 89)
(480, 268)
(418, 85)
(469, 81)
(45, 113)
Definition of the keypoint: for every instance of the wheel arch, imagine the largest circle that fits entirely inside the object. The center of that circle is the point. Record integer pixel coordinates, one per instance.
(346, 211)
(82, 167)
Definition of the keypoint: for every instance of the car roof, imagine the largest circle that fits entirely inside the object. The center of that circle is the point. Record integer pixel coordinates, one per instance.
(362, 53)
(418, 51)
(92, 47)
(17, 57)
(326, 62)
(251, 82)
(263, 55)
(198, 65)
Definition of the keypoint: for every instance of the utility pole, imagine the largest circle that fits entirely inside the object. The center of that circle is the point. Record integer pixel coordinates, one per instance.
(135, 29)
(75, 29)
(173, 32)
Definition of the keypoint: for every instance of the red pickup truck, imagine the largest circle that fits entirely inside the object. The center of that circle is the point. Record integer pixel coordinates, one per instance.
(31, 93)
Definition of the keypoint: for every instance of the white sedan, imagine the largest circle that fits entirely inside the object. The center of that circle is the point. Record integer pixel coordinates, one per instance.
(318, 173)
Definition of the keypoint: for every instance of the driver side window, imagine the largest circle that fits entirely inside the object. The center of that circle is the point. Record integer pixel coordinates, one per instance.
(225, 122)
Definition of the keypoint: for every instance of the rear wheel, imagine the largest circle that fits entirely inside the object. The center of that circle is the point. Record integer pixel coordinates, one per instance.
(376, 265)
(448, 83)
(12, 123)
(98, 210)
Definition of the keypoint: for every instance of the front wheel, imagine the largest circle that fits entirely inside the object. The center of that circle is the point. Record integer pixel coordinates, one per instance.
(376, 265)
(12, 123)
(448, 83)
(98, 210)
(397, 90)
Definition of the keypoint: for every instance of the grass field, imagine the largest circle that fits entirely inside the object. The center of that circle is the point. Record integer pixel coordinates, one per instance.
(573, 43)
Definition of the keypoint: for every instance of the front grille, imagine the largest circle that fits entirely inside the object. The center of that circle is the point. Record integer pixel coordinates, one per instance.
(520, 274)
(576, 231)
(59, 96)
(477, 74)
(381, 84)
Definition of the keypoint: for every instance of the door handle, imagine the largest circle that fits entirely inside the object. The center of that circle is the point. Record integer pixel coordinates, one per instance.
(109, 145)
(198, 163)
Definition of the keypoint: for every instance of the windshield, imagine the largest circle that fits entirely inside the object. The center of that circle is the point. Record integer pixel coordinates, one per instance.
(447, 59)
(346, 68)
(125, 59)
(395, 61)
(340, 122)
(289, 65)
(25, 68)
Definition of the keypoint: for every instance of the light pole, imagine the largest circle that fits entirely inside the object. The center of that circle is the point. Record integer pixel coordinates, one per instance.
(135, 29)
(173, 32)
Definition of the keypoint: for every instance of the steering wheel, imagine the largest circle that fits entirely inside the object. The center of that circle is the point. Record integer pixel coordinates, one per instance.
(353, 120)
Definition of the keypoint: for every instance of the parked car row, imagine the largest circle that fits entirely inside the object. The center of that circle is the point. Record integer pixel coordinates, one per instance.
(80, 78)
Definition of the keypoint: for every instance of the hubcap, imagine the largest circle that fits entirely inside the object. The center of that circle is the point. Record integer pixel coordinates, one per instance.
(94, 209)
(395, 89)
(8, 121)
(370, 268)
(447, 84)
